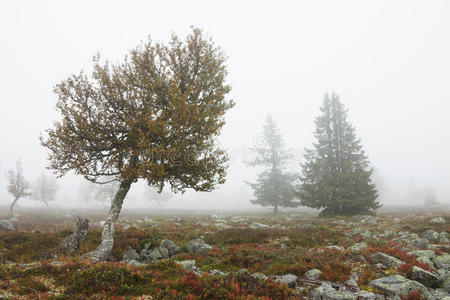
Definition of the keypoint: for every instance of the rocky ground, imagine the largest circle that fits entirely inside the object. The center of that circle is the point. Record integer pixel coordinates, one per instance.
(182, 256)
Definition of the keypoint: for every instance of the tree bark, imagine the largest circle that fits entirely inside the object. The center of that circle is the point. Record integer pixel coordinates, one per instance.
(104, 249)
(12, 206)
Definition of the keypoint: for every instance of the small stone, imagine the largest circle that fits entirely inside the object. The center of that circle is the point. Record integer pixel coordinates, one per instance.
(438, 221)
(197, 246)
(241, 272)
(6, 225)
(386, 260)
(358, 247)
(260, 276)
(188, 265)
(312, 274)
(130, 255)
(289, 279)
(256, 225)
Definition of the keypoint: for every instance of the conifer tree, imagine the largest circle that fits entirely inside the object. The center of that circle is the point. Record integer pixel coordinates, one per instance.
(336, 176)
(273, 186)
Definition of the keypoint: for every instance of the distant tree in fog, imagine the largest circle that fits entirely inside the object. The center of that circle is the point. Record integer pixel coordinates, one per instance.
(44, 189)
(336, 176)
(17, 186)
(274, 187)
(154, 116)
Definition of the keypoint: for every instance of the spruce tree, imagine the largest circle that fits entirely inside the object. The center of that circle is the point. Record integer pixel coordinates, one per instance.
(273, 187)
(336, 176)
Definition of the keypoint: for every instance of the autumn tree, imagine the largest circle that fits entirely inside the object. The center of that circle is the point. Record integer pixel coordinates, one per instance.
(17, 186)
(274, 186)
(44, 189)
(154, 116)
(336, 175)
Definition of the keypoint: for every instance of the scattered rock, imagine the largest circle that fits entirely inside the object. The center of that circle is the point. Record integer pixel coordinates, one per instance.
(135, 263)
(442, 261)
(260, 276)
(396, 285)
(431, 235)
(256, 225)
(242, 272)
(197, 246)
(171, 247)
(188, 265)
(422, 253)
(358, 247)
(426, 278)
(130, 255)
(217, 272)
(438, 221)
(327, 292)
(312, 274)
(386, 260)
(337, 248)
(289, 279)
(6, 225)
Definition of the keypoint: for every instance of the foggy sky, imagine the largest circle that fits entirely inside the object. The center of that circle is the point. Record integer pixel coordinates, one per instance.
(388, 60)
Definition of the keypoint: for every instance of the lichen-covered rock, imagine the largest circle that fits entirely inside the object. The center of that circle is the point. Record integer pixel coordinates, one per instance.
(130, 255)
(430, 235)
(217, 272)
(396, 285)
(171, 247)
(336, 248)
(6, 225)
(188, 265)
(256, 225)
(312, 274)
(442, 261)
(386, 260)
(289, 279)
(135, 263)
(197, 246)
(358, 247)
(426, 278)
(422, 253)
(260, 276)
(438, 221)
(327, 292)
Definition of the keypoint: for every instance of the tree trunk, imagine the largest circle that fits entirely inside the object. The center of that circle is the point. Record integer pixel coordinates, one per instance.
(12, 206)
(104, 249)
(275, 209)
(46, 204)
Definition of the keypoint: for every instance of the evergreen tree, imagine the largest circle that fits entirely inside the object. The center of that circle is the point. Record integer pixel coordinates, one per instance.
(273, 186)
(336, 176)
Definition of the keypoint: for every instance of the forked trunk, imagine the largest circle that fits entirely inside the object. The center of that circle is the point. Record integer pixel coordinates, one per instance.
(104, 249)
(12, 206)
